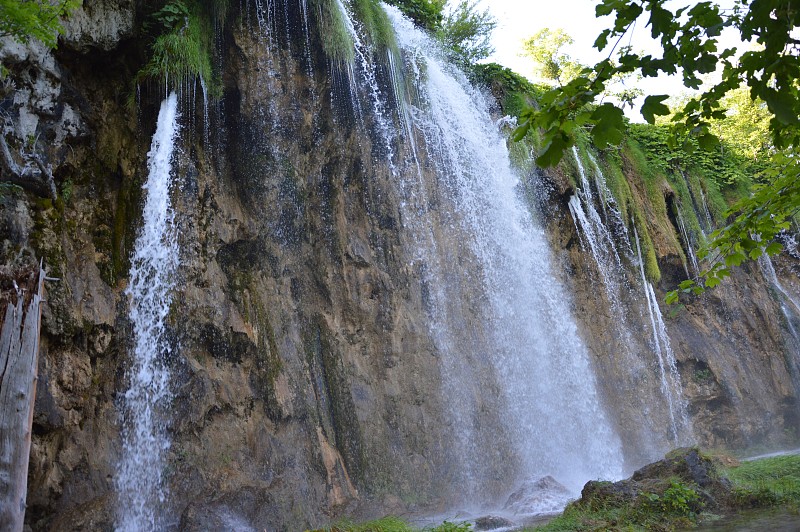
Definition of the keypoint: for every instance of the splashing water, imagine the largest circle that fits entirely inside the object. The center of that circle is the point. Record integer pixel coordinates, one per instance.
(155, 260)
(551, 420)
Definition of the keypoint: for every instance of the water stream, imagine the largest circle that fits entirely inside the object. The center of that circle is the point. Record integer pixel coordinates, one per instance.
(688, 244)
(153, 266)
(668, 371)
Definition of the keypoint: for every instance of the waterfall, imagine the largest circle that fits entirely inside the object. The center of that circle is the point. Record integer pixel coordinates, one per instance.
(498, 264)
(689, 247)
(706, 213)
(591, 229)
(153, 266)
(789, 305)
(365, 65)
(670, 378)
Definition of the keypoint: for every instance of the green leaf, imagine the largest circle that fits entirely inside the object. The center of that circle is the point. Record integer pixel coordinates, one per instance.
(782, 104)
(602, 40)
(735, 259)
(609, 125)
(711, 282)
(686, 284)
(521, 131)
(660, 20)
(653, 106)
(773, 249)
(553, 152)
(672, 297)
(708, 141)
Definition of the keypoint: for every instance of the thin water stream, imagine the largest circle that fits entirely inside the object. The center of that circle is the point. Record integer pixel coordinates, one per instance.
(155, 260)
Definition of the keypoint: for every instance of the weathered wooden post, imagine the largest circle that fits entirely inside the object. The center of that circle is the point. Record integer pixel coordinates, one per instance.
(19, 354)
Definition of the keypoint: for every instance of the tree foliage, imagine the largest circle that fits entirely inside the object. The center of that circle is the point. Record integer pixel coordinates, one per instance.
(427, 14)
(34, 19)
(546, 50)
(466, 31)
(690, 46)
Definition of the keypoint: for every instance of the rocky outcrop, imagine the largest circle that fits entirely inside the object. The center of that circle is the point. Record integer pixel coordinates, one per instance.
(687, 468)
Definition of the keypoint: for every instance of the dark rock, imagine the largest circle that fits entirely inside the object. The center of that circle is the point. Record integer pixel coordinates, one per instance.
(688, 465)
(492, 522)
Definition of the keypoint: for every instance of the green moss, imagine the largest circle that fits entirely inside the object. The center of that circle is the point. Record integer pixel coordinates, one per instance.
(336, 40)
(651, 269)
(672, 505)
(392, 524)
(376, 23)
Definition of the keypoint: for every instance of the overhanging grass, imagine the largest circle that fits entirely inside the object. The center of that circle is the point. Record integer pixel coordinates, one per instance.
(336, 40)
(376, 22)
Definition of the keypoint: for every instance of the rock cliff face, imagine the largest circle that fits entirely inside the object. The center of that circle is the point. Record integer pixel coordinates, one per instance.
(307, 383)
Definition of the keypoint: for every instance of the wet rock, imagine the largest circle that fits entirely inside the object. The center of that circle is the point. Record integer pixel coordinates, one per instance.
(540, 496)
(99, 24)
(688, 465)
(492, 522)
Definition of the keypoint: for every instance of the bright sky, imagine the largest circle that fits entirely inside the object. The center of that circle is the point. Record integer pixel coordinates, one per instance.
(518, 19)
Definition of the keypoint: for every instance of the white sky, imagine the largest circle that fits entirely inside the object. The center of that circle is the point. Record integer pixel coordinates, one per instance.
(518, 19)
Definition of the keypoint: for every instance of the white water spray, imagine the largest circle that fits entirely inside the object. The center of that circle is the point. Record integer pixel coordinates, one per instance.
(153, 266)
(552, 416)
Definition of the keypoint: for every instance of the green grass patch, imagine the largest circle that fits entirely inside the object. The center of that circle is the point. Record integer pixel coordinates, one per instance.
(671, 506)
(376, 23)
(767, 482)
(392, 524)
(182, 49)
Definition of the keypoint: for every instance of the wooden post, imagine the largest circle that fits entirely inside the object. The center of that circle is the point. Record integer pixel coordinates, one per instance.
(19, 354)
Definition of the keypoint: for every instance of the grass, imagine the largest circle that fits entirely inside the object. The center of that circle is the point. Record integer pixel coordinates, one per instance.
(392, 524)
(183, 54)
(336, 40)
(672, 505)
(767, 482)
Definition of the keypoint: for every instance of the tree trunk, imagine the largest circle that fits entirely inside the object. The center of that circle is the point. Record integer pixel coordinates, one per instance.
(19, 353)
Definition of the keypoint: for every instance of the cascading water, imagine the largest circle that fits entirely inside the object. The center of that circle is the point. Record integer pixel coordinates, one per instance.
(365, 66)
(789, 305)
(668, 370)
(552, 416)
(688, 243)
(706, 214)
(593, 231)
(153, 266)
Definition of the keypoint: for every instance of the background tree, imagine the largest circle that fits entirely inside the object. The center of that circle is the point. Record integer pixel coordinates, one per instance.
(466, 31)
(546, 49)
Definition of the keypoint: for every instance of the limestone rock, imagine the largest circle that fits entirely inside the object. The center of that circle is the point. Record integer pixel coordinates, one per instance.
(539, 496)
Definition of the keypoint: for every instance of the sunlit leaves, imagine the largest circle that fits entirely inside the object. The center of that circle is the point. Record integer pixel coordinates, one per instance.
(608, 125)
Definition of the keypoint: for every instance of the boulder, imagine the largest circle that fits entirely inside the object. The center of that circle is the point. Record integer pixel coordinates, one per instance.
(544, 495)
